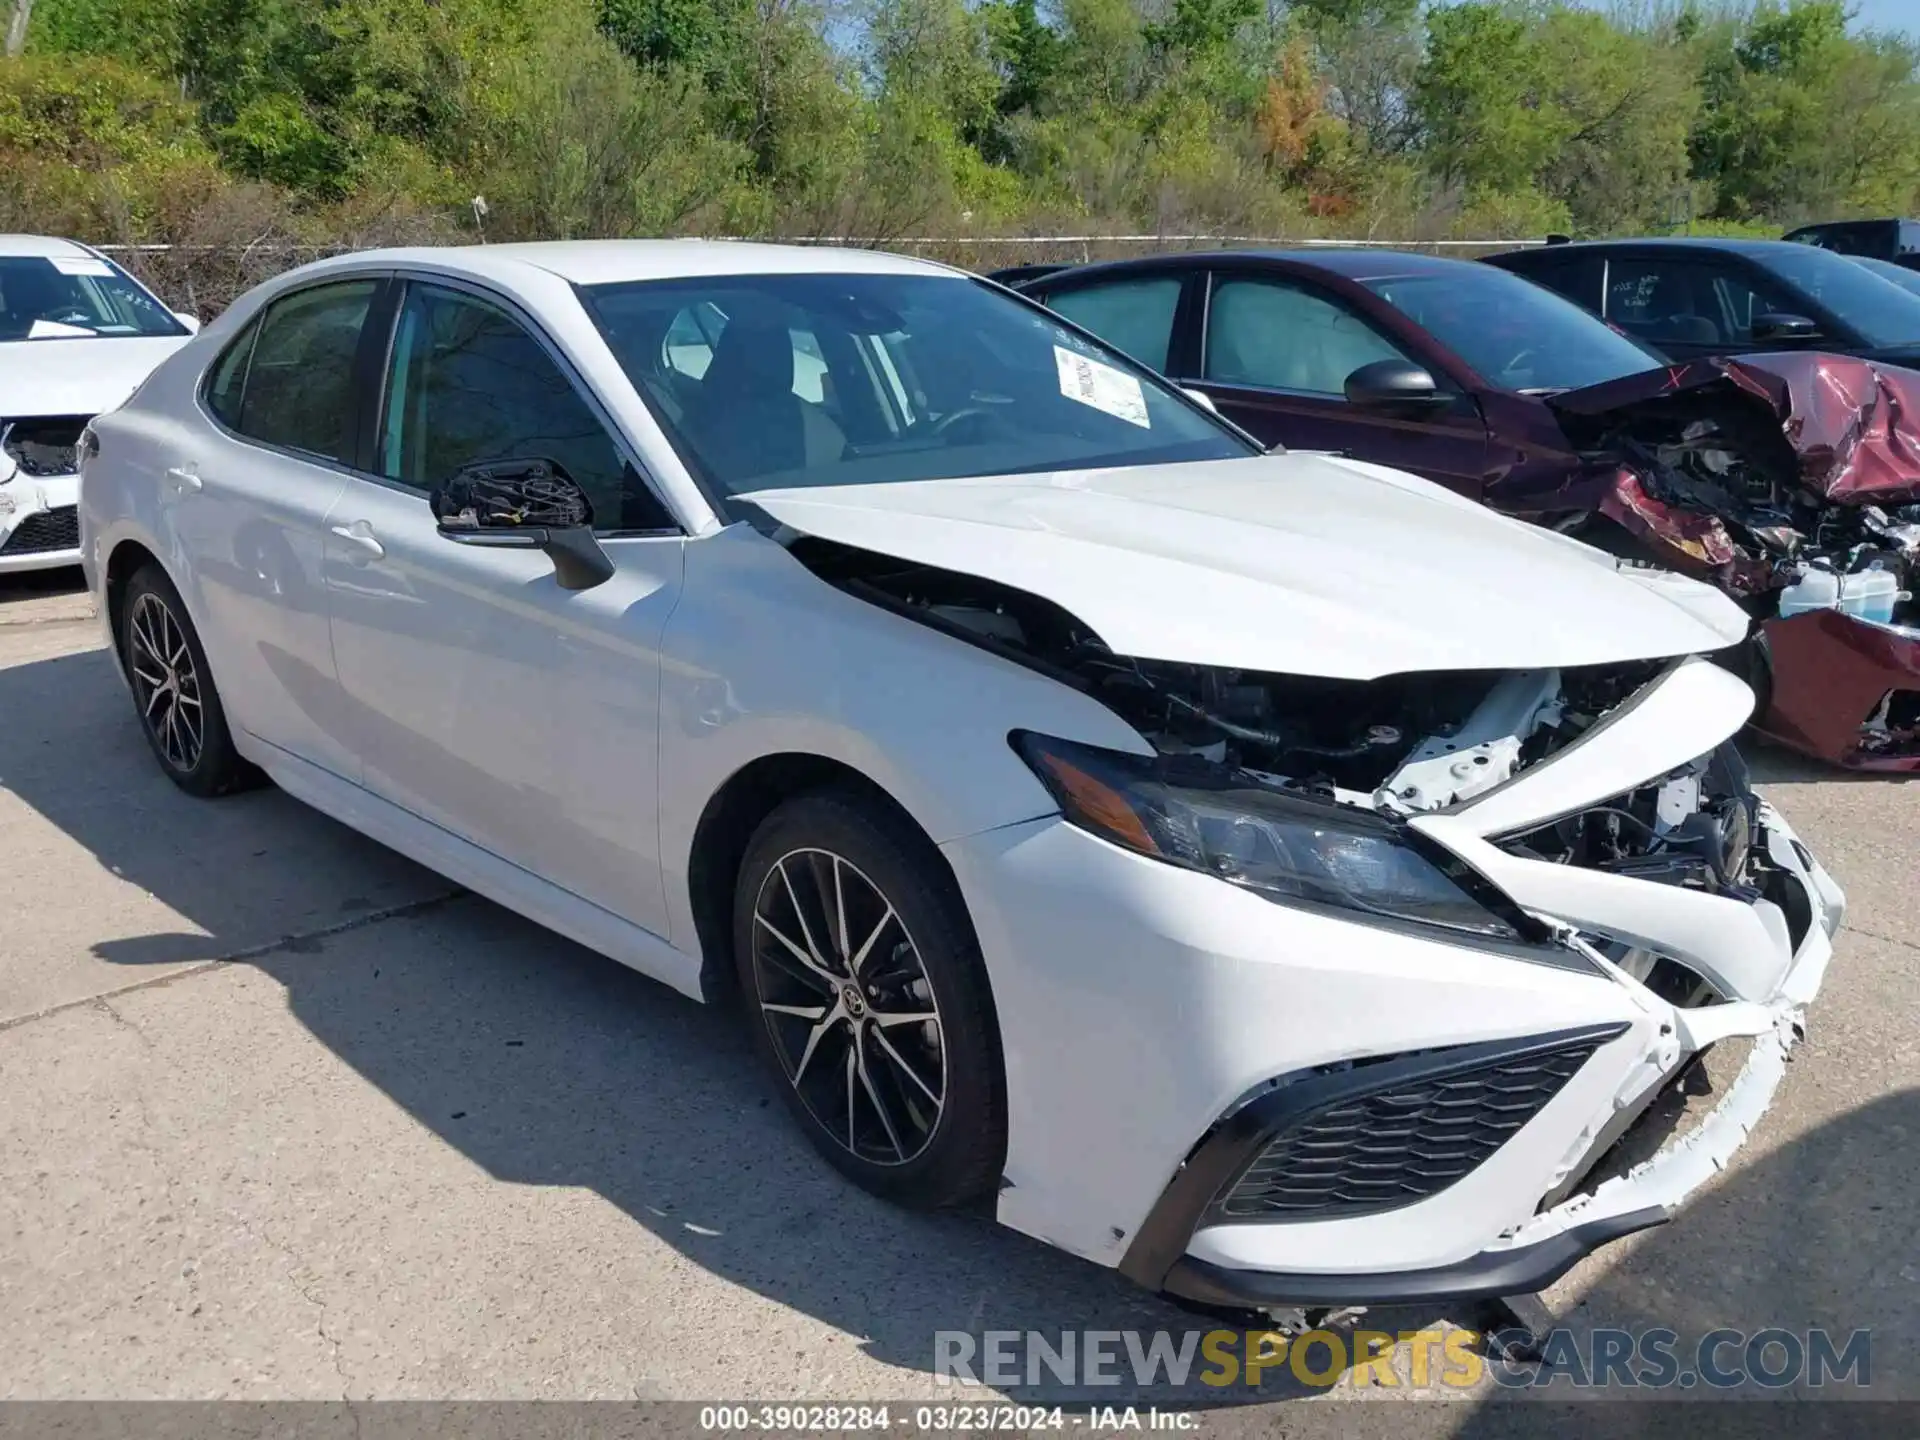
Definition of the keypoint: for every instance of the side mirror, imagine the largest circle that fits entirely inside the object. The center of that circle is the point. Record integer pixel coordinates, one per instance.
(524, 505)
(1784, 327)
(188, 319)
(1393, 385)
(1200, 398)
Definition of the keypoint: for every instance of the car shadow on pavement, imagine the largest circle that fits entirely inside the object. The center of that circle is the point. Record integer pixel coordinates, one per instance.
(547, 1065)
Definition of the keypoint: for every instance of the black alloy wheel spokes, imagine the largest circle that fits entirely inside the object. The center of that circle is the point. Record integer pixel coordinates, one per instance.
(846, 999)
(166, 686)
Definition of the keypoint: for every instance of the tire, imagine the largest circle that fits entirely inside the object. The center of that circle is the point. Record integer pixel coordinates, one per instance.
(173, 691)
(913, 1110)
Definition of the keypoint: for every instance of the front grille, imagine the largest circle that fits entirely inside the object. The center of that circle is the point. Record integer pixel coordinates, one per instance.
(1404, 1140)
(44, 446)
(55, 529)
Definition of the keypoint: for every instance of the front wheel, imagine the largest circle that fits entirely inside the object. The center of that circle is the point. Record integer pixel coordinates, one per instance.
(868, 1000)
(173, 692)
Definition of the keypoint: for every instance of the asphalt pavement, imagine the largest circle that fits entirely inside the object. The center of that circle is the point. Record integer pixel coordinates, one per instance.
(283, 1115)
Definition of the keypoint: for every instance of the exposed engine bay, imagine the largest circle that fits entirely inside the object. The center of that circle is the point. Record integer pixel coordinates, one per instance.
(1746, 512)
(1400, 745)
(43, 447)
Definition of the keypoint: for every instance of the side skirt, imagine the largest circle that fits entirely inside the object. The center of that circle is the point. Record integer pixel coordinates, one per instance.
(479, 870)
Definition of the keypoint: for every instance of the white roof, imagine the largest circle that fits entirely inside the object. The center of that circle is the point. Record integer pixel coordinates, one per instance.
(593, 262)
(40, 245)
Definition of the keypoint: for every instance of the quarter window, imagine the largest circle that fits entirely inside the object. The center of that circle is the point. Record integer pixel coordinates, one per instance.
(293, 381)
(1281, 337)
(469, 384)
(229, 380)
(1131, 315)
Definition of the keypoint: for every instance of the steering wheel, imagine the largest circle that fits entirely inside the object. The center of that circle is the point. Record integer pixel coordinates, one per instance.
(966, 412)
(1522, 359)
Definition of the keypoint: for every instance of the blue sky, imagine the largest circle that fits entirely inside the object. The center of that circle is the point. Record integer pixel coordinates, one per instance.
(1890, 15)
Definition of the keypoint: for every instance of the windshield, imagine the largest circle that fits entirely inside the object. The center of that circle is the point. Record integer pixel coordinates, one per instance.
(1883, 315)
(1908, 280)
(1512, 332)
(75, 297)
(775, 380)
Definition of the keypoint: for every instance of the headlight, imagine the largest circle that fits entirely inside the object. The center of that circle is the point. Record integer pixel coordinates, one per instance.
(1287, 847)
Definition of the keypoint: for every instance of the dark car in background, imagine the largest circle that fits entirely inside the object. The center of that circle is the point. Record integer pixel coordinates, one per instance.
(1690, 297)
(1426, 364)
(1895, 241)
(1900, 275)
(1791, 480)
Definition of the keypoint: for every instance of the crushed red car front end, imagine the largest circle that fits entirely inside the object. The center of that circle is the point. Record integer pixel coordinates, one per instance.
(1793, 482)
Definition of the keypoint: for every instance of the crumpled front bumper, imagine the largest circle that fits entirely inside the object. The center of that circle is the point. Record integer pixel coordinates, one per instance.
(24, 497)
(1536, 1252)
(1142, 1006)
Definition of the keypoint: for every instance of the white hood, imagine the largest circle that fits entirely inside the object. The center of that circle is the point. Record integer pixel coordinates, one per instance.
(76, 377)
(1293, 564)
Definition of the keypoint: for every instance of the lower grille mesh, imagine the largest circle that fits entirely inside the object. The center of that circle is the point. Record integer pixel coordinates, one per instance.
(55, 529)
(1402, 1142)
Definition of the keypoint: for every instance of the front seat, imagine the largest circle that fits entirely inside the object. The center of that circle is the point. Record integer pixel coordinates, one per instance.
(1678, 323)
(746, 421)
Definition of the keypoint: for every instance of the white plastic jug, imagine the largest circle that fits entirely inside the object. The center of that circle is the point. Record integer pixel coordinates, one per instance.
(1866, 594)
(1815, 590)
(1870, 594)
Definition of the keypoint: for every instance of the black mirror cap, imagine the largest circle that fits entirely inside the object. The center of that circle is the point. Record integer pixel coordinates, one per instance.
(1784, 327)
(1392, 382)
(510, 495)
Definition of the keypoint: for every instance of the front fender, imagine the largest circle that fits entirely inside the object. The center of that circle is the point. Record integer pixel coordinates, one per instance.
(763, 658)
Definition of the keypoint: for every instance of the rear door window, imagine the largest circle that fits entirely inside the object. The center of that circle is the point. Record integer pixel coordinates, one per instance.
(296, 383)
(1578, 277)
(1134, 315)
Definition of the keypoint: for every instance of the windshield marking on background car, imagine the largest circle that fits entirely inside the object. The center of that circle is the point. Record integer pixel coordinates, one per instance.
(78, 297)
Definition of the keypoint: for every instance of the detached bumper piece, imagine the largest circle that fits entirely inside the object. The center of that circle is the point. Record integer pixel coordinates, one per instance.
(1357, 1139)
(1494, 1273)
(1845, 690)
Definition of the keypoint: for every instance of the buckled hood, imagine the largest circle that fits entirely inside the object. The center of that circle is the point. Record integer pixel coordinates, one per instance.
(1291, 563)
(76, 377)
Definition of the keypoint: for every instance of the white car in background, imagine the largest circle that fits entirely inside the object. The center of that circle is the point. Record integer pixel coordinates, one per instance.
(1271, 875)
(77, 336)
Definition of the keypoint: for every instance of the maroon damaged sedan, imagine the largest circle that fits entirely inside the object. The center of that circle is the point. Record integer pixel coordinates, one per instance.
(1791, 480)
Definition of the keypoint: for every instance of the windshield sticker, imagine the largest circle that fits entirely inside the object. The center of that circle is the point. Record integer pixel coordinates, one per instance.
(82, 265)
(1101, 386)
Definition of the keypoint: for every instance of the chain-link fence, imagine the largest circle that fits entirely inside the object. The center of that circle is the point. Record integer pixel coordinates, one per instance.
(206, 278)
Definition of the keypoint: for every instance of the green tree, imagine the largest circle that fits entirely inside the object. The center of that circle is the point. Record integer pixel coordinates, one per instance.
(1802, 119)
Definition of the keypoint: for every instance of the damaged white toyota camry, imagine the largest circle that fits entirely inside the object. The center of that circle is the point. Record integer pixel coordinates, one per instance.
(1267, 874)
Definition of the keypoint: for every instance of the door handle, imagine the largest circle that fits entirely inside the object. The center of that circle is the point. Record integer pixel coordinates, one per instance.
(360, 535)
(184, 480)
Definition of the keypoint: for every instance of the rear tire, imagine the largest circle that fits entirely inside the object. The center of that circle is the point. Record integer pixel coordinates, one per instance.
(173, 691)
(867, 1000)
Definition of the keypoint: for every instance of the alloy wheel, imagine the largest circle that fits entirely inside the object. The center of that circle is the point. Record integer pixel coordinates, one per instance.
(166, 686)
(848, 1005)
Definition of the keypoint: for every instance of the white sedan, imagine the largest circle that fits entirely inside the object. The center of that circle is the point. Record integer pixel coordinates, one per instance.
(1271, 875)
(77, 335)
